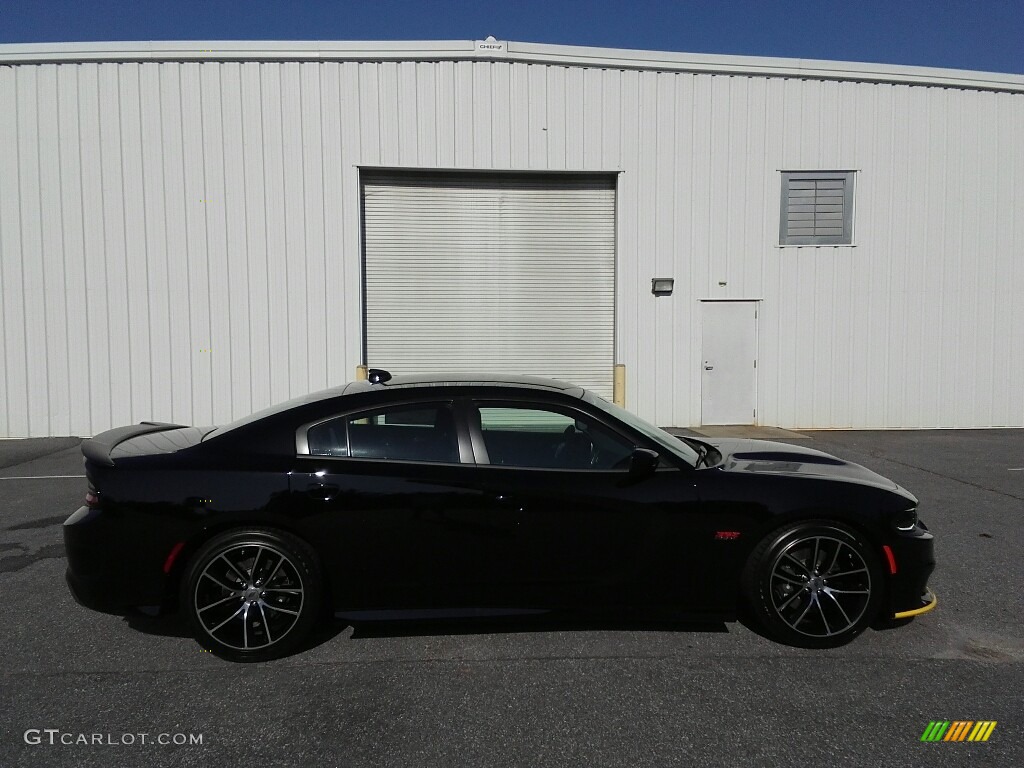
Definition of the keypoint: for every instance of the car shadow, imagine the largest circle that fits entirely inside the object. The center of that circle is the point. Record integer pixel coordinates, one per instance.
(504, 625)
(747, 619)
(173, 625)
(166, 625)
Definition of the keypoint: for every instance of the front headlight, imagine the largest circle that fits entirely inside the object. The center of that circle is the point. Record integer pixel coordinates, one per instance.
(905, 520)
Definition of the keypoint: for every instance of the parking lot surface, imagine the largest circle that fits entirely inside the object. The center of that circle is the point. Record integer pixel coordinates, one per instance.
(537, 693)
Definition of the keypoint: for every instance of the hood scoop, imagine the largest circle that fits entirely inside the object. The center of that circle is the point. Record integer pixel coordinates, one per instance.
(770, 457)
(803, 458)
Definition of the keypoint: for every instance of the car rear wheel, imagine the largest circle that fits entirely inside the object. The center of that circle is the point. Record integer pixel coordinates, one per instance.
(814, 584)
(252, 595)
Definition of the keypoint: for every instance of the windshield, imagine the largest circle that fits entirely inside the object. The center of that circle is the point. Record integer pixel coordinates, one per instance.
(660, 436)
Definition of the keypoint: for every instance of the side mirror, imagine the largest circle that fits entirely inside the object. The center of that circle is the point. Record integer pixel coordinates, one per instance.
(643, 462)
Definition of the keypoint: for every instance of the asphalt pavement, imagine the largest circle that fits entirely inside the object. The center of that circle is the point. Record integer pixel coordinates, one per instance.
(80, 688)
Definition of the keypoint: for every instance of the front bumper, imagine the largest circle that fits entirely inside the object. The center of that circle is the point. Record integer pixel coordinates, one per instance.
(928, 603)
(914, 559)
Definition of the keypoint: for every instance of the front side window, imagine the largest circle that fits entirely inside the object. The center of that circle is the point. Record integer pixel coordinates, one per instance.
(420, 432)
(548, 437)
(817, 208)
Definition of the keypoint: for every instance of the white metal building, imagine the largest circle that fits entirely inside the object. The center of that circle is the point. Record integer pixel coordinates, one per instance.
(192, 231)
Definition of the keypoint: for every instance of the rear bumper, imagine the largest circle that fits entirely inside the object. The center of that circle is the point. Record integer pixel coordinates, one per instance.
(91, 593)
(108, 567)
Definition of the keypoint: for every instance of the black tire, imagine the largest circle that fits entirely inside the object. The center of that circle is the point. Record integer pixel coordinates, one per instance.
(813, 584)
(252, 594)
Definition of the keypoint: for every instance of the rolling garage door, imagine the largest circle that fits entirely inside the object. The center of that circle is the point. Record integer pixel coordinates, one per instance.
(486, 273)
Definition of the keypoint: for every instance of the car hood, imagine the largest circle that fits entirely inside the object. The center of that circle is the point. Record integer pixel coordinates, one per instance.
(746, 455)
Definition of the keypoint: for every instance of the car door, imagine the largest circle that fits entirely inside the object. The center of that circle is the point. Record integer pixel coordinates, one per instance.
(584, 530)
(386, 487)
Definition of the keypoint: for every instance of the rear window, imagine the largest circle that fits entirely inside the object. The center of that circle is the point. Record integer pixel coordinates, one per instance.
(275, 409)
(420, 432)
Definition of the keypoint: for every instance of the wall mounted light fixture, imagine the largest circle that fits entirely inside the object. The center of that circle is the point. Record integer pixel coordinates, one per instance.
(662, 286)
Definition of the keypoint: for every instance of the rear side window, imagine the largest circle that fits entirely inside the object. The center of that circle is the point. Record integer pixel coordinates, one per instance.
(420, 432)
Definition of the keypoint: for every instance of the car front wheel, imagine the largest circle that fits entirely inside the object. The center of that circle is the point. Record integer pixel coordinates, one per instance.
(252, 595)
(814, 584)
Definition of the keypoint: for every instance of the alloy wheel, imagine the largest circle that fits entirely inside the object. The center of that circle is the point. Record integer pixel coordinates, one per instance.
(249, 596)
(820, 586)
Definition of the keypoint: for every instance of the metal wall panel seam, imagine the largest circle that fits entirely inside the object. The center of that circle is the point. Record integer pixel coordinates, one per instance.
(33, 266)
(194, 145)
(946, 377)
(124, 266)
(329, 214)
(6, 291)
(239, 251)
(208, 139)
(882, 419)
(304, 250)
(262, 394)
(94, 249)
(77, 333)
(105, 253)
(317, 224)
(926, 361)
(135, 215)
(56, 347)
(154, 243)
(295, 231)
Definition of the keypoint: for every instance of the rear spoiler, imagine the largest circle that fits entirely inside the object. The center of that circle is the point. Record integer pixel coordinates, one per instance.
(97, 449)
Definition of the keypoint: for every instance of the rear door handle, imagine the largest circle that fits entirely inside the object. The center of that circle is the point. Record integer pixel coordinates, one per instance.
(507, 500)
(322, 491)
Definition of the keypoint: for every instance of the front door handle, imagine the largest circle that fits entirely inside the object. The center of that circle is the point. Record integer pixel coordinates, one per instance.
(322, 491)
(709, 367)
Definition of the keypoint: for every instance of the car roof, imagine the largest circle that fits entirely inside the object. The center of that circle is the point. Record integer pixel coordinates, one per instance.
(457, 381)
(467, 380)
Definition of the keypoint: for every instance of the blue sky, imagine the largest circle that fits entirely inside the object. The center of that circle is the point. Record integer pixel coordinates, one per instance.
(983, 35)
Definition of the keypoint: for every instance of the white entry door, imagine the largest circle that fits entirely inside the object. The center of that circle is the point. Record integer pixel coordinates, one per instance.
(729, 362)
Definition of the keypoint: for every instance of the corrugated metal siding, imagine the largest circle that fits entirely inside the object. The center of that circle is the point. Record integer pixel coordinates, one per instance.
(180, 241)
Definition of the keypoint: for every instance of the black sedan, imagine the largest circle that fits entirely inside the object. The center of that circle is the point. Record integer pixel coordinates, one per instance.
(468, 496)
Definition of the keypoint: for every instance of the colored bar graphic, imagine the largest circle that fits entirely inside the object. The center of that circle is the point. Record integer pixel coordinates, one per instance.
(958, 730)
(982, 730)
(935, 730)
